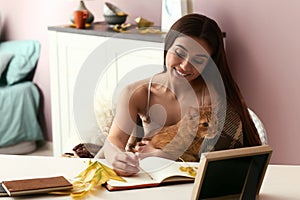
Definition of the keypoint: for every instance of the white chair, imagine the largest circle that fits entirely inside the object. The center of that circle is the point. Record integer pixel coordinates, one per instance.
(259, 126)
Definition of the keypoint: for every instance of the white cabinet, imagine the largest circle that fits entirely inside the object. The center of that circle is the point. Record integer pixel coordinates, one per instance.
(84, 67)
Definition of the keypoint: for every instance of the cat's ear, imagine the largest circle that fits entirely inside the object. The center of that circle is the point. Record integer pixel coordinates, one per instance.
(193, 112)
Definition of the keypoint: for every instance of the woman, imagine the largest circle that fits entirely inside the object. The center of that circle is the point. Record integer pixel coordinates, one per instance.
(196, 75)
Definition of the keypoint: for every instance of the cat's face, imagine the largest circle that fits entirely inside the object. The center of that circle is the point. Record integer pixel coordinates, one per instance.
(206, 121)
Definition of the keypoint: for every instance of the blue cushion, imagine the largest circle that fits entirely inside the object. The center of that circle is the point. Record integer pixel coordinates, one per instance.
(4, 60)
(26, 54)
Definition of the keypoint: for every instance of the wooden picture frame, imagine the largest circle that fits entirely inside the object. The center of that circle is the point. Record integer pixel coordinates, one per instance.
(234, 174)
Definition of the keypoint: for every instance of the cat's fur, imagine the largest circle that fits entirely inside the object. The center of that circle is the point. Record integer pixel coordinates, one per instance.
(184, 139)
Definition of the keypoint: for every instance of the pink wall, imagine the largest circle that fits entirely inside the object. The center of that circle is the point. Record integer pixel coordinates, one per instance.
(263, 48)
(31, 20)
(261, 44)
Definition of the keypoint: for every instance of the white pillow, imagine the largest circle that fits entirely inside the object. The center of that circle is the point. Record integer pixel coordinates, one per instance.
(4, 60)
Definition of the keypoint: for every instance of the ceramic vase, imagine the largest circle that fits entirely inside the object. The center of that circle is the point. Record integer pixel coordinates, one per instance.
(82, 6)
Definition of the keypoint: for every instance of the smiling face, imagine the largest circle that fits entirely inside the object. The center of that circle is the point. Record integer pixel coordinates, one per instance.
(187, 58)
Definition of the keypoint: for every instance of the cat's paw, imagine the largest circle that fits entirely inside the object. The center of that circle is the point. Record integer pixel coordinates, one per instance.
(144, 146)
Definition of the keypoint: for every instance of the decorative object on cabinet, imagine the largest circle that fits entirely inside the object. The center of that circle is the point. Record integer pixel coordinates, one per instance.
(143, 23)
(80, 17)
(121, 27)
(19, 98)
(115, 19)
(110, 9)
(172, 10)
(90, 18)
(113, 15)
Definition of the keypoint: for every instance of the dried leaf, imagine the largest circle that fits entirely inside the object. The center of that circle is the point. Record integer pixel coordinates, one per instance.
(87, 174)
(111, 174)
(94, 175)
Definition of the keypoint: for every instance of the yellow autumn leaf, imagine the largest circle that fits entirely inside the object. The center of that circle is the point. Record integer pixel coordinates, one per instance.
(79, 193)
(88, 172)
(99, 177)
(111, 174)
(94, 175)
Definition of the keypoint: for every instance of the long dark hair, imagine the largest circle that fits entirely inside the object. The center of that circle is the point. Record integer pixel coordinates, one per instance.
(200, 26)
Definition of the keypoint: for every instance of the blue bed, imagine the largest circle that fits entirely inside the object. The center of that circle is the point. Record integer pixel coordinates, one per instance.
(19, 106)
(19, 97)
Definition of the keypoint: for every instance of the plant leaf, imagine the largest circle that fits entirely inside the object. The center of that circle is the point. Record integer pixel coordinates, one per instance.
(110, 173)
(95, 174)
(87, 174)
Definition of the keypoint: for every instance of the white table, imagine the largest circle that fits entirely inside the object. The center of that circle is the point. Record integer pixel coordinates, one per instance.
(282, 182)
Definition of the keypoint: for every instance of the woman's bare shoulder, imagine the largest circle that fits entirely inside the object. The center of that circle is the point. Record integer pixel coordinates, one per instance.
(137, 91)
(138, 85)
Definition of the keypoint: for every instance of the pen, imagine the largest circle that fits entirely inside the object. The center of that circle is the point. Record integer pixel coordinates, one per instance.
(137, 154)
(141, 169)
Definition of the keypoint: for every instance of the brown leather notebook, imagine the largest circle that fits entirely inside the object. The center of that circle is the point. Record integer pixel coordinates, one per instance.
(36, 185)
(3, 193)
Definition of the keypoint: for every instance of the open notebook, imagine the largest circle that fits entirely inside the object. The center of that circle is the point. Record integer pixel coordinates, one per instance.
(231, 174)
(156, 171)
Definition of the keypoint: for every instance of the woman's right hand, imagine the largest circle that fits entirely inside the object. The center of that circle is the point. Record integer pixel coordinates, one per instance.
(123, 163)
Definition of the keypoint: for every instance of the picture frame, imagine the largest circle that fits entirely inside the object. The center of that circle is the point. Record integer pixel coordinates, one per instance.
(172, 10)
(231, 174)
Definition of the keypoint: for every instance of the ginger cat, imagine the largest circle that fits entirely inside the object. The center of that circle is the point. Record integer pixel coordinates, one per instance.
(184, 138)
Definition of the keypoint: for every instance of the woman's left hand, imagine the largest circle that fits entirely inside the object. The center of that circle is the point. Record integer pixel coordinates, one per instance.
(145, 149)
